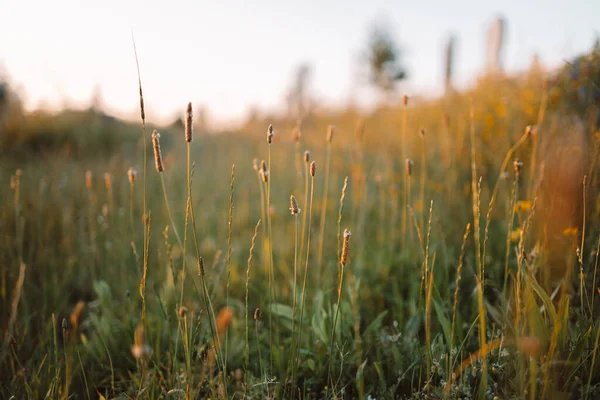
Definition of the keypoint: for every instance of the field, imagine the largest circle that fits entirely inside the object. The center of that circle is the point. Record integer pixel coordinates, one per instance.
(443, 248)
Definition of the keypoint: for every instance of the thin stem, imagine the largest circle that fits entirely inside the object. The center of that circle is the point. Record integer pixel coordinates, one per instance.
(293, 358)
(324, 210)
(312, 186)
(229, 230)
(164, 189)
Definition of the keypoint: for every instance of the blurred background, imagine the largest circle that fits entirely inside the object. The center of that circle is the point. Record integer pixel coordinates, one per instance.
(236, 60)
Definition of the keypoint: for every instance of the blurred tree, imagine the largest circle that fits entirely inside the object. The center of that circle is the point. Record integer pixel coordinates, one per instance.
(298, 99)
(383, 57)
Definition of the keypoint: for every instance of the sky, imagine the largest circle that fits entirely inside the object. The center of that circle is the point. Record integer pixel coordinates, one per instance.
(230, 55)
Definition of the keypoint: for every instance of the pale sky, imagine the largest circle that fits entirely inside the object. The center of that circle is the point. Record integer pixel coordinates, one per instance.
(228, 55)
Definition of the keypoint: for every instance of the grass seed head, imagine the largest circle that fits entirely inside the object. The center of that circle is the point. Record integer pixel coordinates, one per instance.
(201, 267)
(422, 132)
(518, 165)
(294, 205)
(409, 164)
(107, 181)
(131, 175)
(182, 312)
(255, 164)
(270, 134)
(264, 172)
(88, 179)
(296, 134)
(307, 156)
(344, 257)
(313, 168)
(257, 314)
(189, 133)
(405, 100)
(157, 153)
(330, 132)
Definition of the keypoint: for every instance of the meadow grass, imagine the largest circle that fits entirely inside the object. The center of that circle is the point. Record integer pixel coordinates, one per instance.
(95, 304)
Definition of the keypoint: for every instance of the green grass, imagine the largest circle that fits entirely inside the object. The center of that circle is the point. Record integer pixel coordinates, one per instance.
(503, 309)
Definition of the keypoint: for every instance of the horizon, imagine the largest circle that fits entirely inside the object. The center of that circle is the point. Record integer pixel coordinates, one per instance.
(76, 52)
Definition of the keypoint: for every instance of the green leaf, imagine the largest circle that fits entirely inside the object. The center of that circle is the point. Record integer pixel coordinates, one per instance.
(444, 322)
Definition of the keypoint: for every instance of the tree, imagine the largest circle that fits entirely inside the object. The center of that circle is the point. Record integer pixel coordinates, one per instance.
(383, 58)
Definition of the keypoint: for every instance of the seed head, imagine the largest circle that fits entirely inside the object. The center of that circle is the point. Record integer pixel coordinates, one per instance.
(88, 179)
(107, 181)
(270, 134)
(409, 164)
(131, 175)
(294, 206)
(313, 168)
(182, 312)
(422, 132)
(65, 325)
(405, 100)
(518, 165)
(257, 314)
(255, 164)
(307, 156)
(529, 130)
(157, 153)
(189, 134)
(264, 172)
(201, 267)
(344, 257)
(297, 134)
(330, 132)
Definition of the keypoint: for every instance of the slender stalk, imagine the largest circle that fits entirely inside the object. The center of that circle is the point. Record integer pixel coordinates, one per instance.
(271, 268)
(476, 190)
(312, 187)
(337, 311)
(510, 222)
(164, 189)
(293, 357)
(303, 235)
(455, 302)
(423, 176)
(229, 230)
(247, 292)
(323, 210)
(404, 155)
(339, 220)
(143, 117)
(594, 279)
(343, 261)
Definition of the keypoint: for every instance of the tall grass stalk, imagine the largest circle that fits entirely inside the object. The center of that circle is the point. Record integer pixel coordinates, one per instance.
(310, 206)
(295, 211)
(270, 134)
(404, 155)
(329, 138)
(455, 302)
(304, 216)
(428, 290)
(594, 278)
(145, 213)
(229, 231)
(339, 220)
(423, 168)
(509, 224)
(250, 255)
(476, 191)
(343, 261)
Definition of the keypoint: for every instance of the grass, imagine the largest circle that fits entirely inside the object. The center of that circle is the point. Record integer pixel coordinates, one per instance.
(100, 297)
